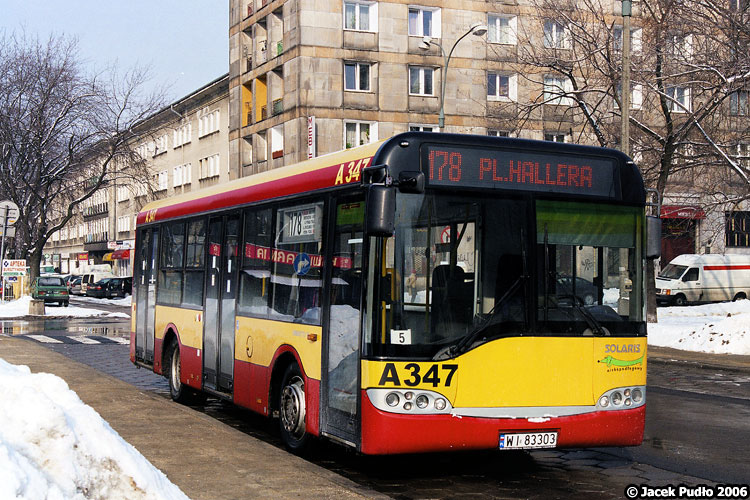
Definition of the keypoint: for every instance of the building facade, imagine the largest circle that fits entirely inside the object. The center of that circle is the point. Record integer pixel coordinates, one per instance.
(184, 146)
(308, 78)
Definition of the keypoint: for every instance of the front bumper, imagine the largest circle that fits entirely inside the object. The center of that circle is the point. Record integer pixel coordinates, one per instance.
(387, 433)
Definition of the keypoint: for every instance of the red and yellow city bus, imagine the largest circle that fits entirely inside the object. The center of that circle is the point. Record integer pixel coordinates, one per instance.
(428, 292)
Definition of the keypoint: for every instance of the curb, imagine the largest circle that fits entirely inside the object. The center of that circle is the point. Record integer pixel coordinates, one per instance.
(669, 355)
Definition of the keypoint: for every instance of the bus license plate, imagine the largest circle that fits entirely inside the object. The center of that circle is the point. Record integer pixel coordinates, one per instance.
(528, 440)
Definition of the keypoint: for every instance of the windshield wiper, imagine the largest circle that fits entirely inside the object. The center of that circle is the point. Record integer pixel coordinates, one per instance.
(593, 323)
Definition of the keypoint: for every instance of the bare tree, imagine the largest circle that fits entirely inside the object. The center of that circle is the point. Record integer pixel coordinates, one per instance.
(64, 134)
(689, 60)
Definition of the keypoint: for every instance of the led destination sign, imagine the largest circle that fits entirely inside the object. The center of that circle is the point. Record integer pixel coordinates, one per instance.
(489, 168)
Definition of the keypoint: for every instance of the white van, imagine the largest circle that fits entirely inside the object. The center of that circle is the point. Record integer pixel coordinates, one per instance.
(90, 278)
(693, 278)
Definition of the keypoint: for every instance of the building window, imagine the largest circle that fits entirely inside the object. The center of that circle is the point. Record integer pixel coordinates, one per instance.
(123, 224)
(208, 167)
(360, 16)
(208, 122)
(498, 133)
(182, 135)
(502, 29)
(743, 155)
(678, 99)
(680, 45)
(555, 35)
(277, 141)
(359, 133)
(737, 229)
(636, 96)
(160, 145)
(424, 21)
(501, 87)
(357, 76)
(739, 104)
(554, 137)
(182, 174)
(123, 193)
(162, 180)
(420, 80)
(555, 90)
(636, 44)
(424, 128)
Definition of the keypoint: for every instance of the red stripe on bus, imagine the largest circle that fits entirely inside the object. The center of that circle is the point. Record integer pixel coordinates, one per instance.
(727, 268)
(286, 186)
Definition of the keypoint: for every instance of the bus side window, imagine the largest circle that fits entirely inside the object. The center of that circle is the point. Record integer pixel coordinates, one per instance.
(255, 275)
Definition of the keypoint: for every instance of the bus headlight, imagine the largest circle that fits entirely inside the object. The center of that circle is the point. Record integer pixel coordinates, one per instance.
(413, 402)
(622, 398)
(637, 396)
(616, 398)
(392, 399)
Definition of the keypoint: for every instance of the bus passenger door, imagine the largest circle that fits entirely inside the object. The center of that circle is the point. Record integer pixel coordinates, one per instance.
(341, 377)
(148, 251)
(221, 284)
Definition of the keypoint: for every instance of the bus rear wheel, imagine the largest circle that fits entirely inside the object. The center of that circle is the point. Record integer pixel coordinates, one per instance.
(292, 409)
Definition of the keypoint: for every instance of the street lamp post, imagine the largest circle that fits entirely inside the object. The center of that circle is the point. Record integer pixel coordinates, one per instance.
(625, 81)
(477, 29)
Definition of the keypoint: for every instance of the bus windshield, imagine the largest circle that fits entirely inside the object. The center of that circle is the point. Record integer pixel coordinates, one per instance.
(464, 270)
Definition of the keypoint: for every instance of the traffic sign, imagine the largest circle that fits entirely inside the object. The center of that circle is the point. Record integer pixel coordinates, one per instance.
(8, 213)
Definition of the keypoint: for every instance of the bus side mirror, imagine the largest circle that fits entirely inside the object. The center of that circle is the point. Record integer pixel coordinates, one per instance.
(381, 210)
(653, 237)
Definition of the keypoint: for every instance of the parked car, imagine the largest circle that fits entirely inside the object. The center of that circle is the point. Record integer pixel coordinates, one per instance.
(110, 287)
(74, 285)
(50, 289)
(585, 291)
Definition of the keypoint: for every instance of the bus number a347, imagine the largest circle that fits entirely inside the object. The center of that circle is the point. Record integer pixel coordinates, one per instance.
(434, 375)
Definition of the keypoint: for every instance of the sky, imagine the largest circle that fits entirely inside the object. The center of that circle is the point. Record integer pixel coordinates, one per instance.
(185, 43)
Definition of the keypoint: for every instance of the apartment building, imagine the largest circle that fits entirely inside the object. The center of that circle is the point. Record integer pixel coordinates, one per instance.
(185, 147)
(308, 78)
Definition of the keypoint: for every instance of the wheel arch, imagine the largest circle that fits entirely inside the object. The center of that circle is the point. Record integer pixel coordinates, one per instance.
(170, 335)
(285, 355)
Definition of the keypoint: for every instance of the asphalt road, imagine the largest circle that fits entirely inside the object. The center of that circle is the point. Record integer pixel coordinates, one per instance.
(697, 430)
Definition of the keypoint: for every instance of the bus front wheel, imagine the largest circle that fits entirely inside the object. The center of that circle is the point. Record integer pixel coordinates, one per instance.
(292, 409)
(177, 390)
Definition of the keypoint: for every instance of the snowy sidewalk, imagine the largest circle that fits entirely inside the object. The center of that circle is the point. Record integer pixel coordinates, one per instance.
(205, 458)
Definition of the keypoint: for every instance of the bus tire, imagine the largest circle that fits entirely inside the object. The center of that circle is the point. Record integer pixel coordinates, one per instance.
(177, 390)
(680, 300)
(292, 409)
(739, 296)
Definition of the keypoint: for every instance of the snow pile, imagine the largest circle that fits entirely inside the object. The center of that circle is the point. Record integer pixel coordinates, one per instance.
(722, 328)
(54, 446)
(20, 308)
